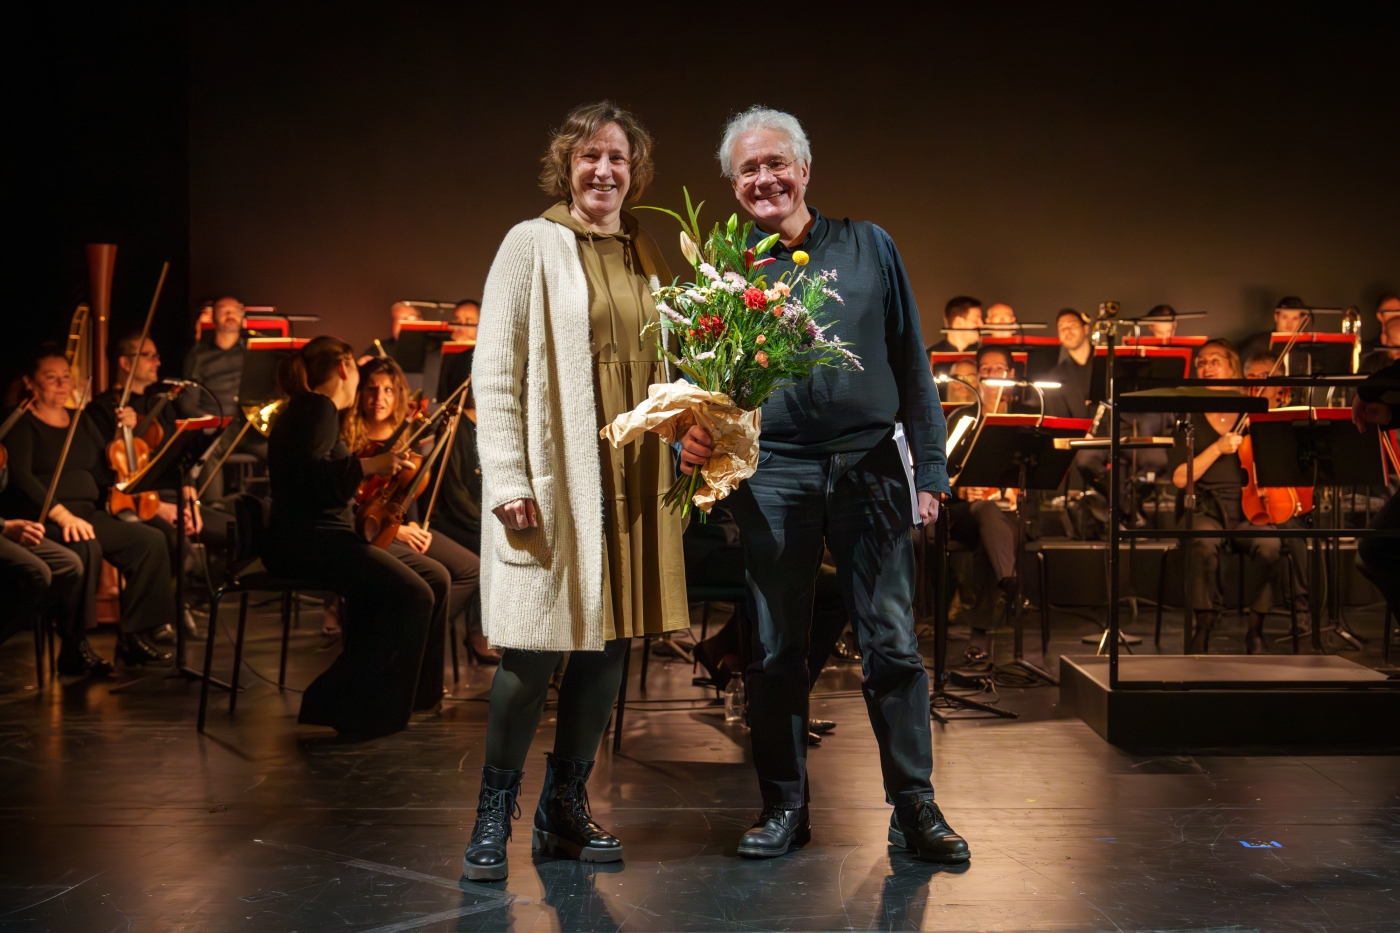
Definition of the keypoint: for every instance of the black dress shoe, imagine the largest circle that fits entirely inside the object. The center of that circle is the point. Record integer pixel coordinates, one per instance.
(921, 829)
(820, 726)
(163, 635)
(485, 858)
(564, 827)
(778, 829)
(135, 651)
(77, 659)
(813, 740)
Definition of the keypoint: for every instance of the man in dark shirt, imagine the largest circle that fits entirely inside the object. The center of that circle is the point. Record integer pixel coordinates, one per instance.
(831, 470)
(1071, 399)
(962, 316)
(1387, 309)
(1378, 559)
(216, 363)
(1288, 317)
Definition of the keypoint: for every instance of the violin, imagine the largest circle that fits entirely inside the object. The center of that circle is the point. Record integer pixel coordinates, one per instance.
(129, 454)
(379, 517)
(1268, 505)
(371, 486)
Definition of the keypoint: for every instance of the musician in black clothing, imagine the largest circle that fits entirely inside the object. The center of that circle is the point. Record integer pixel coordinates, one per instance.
(963, 317)
(1379, 558)
(78, 516)
(1073, 370)
(42, 576)
(399, 312)
(216, 363)
(1220, 480)
(368, 690)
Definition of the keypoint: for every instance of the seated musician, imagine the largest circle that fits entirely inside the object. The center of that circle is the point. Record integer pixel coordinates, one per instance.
(465, 318)
(450, 569)
(216, 363)
(370, 688)
(1387, 348)
(1000, 313)
(1387, 310)
(78, 516)
(984, 518)
(1288, 318)
(1166, 330)
(963, 316)
(399, 312)
(1073, 370)
(1378, 559)
(1220, 481)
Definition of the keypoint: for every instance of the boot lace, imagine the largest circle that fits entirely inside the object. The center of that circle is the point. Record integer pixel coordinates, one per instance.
(493, 811)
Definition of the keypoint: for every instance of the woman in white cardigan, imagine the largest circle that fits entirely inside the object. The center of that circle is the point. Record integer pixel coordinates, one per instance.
(583, 557)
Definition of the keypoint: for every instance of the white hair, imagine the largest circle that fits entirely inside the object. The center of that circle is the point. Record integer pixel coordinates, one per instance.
(759, 117)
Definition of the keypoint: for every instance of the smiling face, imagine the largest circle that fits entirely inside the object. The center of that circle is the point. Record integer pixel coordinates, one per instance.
(600, 174)
(378, 398)
(769, 182)
(52, 382)
(1212, 362)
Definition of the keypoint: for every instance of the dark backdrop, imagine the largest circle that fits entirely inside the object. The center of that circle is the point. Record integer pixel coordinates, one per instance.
(330, 159)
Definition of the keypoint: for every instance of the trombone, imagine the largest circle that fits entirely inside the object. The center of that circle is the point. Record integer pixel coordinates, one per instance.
(260, 418)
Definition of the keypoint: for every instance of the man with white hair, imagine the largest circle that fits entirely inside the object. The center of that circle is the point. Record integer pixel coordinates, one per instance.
(831, 471)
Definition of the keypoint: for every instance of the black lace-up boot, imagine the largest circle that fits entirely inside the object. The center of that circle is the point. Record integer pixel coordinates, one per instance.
(485, 858)
(777, 830)
(921, 828)
(564, 827)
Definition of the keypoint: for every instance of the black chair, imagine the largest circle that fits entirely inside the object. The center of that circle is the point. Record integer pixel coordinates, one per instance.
(246, 574)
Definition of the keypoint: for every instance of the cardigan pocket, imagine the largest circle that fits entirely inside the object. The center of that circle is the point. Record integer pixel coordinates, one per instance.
(532, 546)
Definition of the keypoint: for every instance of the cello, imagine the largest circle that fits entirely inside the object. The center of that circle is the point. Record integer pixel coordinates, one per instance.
(1269, 505)
(129, 453)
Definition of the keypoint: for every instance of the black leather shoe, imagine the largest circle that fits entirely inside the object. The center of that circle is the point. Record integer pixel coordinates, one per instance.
(777, 830)
(485, 858)
(77, 659)
(564, 827)
(813, 740)
(135, 651)
(921, 829)
(820, 726)
(163, 635)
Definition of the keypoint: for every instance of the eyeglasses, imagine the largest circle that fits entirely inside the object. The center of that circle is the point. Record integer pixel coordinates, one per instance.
(776, 167)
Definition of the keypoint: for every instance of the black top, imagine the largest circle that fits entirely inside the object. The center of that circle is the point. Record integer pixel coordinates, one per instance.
(219, 370)
(34, 449)
(1071, 399)
(313, 474)
(1219, 488)
(839, 411)
(103, 412)
(944, 346)
(1388, 395)
(457, 513)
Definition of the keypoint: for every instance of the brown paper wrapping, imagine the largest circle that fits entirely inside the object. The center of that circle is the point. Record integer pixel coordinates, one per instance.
(672, 408)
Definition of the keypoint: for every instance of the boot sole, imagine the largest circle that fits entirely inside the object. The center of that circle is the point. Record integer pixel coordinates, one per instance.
(551, 845)
(896, 838)
(485, 872)
(798, 840)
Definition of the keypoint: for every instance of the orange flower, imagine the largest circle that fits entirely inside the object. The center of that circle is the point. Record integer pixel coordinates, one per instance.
(762, 359)
(760, 340)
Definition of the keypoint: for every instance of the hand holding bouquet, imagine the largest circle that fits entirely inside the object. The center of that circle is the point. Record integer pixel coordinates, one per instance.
(739, 339)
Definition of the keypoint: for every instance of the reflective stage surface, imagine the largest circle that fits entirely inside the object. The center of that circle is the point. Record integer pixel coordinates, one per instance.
(117, 816)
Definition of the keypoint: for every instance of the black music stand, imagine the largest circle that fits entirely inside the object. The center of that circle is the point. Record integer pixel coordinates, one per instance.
(175, 455)
(1318, 447)
(1133, 365)
(1019, 451)
(418, 351)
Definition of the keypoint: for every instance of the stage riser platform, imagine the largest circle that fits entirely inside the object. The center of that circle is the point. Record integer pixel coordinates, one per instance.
(1177, 719)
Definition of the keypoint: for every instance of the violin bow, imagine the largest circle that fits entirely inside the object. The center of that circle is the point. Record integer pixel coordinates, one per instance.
(128, 436)
(448, 441)
(67, 445)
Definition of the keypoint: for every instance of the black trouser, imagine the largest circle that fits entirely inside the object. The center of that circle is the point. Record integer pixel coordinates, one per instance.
(452, 572)
(1382, 555)
(1264, 552)
(859, 505)
(983, 524)
(139, 552)
(46, 578)
(586, 696)
(368, 690)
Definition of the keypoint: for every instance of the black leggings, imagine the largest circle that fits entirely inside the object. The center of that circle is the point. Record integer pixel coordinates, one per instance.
(369, 689)
(586, 698)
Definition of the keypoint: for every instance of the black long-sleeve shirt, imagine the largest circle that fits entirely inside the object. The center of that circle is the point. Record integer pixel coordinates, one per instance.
(313, 474)
(220, 371)
(34, 449)
(837, 411)
(1390, 396)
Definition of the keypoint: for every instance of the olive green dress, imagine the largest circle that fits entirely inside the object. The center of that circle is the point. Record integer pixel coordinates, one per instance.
(643, 558)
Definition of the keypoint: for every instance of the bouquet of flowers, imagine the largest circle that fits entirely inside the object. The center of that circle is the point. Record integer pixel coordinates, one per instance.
(739, 339)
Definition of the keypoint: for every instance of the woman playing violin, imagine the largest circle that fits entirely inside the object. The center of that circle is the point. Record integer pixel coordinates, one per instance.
(450, 569)
(78, 517)
(370, 689)
(1220, 481)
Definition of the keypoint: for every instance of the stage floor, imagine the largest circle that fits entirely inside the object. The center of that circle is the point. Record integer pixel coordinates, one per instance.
(115, 815)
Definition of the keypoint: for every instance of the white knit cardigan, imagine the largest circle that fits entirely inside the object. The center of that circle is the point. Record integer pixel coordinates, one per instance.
(537, 434)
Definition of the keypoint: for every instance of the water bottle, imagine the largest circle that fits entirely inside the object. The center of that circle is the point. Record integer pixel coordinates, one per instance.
(734, 700)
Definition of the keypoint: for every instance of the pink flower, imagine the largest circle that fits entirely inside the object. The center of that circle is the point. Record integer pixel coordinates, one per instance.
(754, 298)
(761, 358)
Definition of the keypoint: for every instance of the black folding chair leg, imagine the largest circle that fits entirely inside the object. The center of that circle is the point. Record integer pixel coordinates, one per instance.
(452, 643)
(1044, 605)
(208, 659)
(1161, 592)
(287, 598)
(238, 652)
(40, 636)
(646, 660)
(621, 699)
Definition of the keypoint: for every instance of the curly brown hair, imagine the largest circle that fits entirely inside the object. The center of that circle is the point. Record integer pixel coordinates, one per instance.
(579, 126)
(353, 430)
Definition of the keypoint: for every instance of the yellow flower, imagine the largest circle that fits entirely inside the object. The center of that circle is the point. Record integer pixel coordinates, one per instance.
(800, 258)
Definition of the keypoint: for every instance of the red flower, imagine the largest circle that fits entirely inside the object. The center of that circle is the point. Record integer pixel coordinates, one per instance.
(763, 262)
(753, 297)
(748, 258)
(762, 359)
